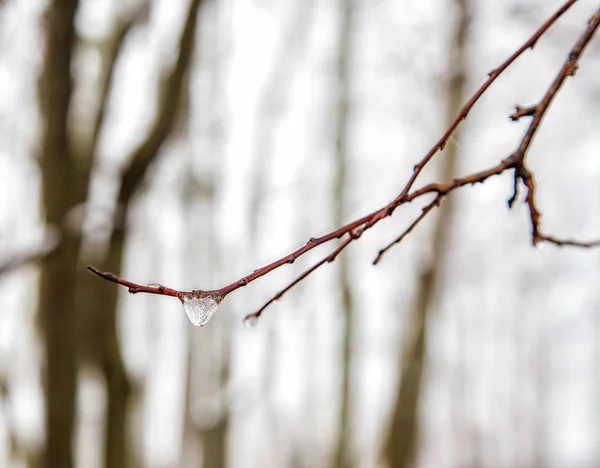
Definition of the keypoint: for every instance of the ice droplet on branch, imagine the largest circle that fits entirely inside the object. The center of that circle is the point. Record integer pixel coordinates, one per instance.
(200, 309)
(251, 320)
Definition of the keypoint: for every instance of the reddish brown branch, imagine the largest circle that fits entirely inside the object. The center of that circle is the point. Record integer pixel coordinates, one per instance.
(355, 228)
(515, 161)
(538, 111)
(135, 288)
(251, 318)
(492, 76)
(409, 229)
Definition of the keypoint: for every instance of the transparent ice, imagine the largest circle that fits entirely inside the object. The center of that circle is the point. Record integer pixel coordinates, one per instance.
(251, 320)
(200, 309)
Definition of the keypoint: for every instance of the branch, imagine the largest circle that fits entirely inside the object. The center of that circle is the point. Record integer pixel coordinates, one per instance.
(436, 202)
(515, 161)
(134, 288)
(354, 229)
(492, 76)
(251, 319)
(568, 69)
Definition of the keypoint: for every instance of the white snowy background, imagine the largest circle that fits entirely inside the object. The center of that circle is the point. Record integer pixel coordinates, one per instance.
(514, 358)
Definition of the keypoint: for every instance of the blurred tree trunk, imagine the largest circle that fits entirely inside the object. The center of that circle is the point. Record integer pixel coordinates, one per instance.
(63, 187)
(273, 104)
(341, 117)
(65, 178)
(101, 297)
(400, 447)
(215, 438)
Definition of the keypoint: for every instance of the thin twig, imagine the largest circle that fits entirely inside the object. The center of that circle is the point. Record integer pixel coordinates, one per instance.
(538, 111)
(492, 76)
(425, 211)
(328, 259)
(134, 288)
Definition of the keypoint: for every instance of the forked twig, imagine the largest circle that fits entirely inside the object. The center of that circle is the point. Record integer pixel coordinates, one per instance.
(425, 211)
(354, 229)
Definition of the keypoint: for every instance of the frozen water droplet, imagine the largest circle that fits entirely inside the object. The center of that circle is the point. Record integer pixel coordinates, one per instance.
(200, 309)
(251, 320)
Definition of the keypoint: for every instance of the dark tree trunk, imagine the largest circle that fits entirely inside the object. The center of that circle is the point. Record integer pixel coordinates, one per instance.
(61, 191)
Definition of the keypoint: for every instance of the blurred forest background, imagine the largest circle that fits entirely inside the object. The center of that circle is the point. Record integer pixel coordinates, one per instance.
(188, 142)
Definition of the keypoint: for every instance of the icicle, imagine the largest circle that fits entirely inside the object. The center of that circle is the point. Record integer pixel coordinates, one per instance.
(200, 309)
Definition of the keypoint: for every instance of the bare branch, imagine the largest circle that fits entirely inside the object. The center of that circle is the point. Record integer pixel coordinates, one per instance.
(355, 228)
(250, 318)
(492, 76)
(538, 111)
(436, 202)
(134, 288)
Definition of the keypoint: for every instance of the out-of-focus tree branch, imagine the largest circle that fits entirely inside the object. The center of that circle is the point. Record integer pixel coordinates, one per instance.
(103, 308)
(169, 99)
(66, 171)
(35, 255)
(110, 52)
